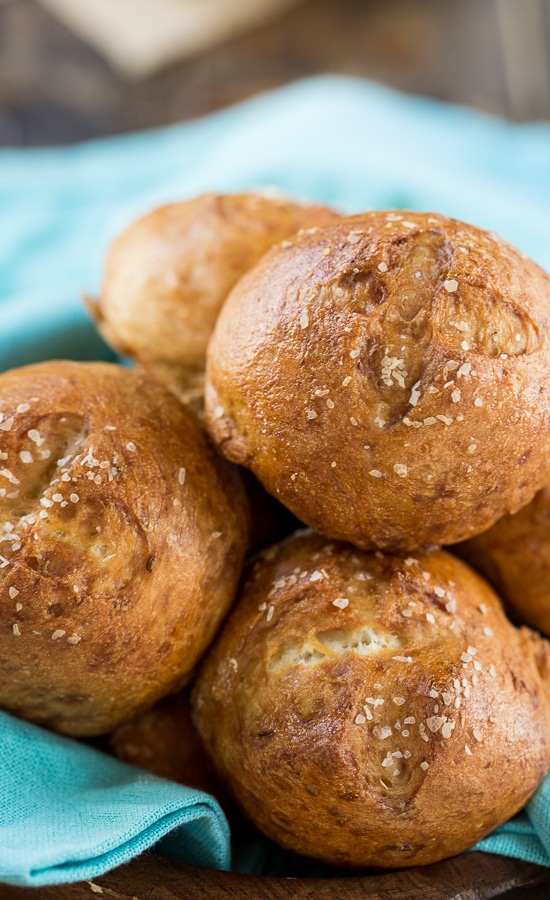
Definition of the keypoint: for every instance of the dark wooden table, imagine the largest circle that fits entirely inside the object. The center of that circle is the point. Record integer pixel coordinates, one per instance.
(468, 877)
(54, 89)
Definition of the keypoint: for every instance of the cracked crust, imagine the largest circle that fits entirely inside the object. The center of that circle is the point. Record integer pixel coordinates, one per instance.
(387, 377)
(121, 542)
(371, 710)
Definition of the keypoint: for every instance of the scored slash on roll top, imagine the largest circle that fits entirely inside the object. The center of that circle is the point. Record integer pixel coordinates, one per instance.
(121, 544)
(429, 338)
(387, 377)
(392, 721)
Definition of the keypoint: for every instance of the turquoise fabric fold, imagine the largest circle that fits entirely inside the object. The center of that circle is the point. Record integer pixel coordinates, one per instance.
(68, 812)
(527, 835)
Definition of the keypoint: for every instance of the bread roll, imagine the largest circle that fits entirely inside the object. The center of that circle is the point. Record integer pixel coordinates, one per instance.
(168, 274)
(121, 542)
(371, 710)
(387, 378)
(165, 742)
(514, 556)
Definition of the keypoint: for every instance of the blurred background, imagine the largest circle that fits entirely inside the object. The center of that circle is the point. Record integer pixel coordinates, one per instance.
(71, 70)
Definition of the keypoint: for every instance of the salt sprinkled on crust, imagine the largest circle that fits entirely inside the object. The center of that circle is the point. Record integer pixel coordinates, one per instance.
(415, 394)
(450, 285)
(341, 602)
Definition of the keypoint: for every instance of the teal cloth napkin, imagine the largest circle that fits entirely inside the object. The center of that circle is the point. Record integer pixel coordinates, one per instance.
(67, 812)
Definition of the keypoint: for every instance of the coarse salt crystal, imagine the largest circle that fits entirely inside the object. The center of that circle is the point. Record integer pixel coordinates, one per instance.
(450, 285)
(382, 732)
(341, 602)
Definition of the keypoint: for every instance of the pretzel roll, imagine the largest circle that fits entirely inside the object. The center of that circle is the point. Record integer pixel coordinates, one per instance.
(514, 556)
(387, 377)
(168, 274)
(371, 710)
(165, 742)
(121, 542)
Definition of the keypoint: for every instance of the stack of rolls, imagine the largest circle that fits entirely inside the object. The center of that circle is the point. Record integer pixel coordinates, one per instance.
(385, 377)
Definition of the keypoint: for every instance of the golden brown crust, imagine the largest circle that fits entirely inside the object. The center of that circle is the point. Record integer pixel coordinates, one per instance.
(122, 538)
(169, 273)
(372, 710)
(387, 377)
(165, 741)
(514, 556)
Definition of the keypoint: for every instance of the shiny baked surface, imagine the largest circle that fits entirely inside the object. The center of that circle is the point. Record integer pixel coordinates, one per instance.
(122, 539)
(372, 710)
(514, 556)
(387, 377)
(168, 274)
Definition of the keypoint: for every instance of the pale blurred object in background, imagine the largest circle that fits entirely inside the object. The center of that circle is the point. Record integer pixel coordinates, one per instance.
(524, 33)
(71, 70)
(139, 37)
